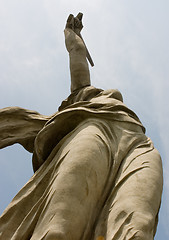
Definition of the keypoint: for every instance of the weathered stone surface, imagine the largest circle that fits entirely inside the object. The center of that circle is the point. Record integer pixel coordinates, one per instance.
(97, 175)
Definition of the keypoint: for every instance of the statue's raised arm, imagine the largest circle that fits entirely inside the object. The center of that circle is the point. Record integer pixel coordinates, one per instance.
(79, 70)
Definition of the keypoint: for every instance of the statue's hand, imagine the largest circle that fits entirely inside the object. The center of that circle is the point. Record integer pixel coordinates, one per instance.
(75, 23)
(78, 24)
(72, 30)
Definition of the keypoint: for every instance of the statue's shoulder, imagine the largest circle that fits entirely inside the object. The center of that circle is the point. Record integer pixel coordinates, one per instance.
(113, 93)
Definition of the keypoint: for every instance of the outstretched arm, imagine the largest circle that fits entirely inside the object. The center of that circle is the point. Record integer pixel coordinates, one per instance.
(79, 70)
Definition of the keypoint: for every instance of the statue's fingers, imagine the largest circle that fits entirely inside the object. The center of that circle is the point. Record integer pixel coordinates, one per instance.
(78, 21)
(80, 16)
(70, 18)
(70, 22)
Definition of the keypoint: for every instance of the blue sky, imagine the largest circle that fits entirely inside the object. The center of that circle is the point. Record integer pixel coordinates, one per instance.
(128, 41)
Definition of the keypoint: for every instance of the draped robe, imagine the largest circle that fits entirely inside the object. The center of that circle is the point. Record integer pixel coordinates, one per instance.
(97, 175)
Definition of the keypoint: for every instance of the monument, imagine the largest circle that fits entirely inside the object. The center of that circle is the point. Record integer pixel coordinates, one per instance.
(97, 175)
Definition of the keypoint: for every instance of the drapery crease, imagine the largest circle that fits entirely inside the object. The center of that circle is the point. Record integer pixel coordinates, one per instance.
(110, 138)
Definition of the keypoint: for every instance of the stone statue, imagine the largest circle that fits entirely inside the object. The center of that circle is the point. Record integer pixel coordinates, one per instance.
(97, 175)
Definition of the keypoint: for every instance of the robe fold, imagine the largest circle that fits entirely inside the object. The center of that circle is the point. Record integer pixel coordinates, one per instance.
(94, 167)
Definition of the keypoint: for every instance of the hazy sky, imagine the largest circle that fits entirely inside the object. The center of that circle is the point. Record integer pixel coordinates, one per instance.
(128, 41)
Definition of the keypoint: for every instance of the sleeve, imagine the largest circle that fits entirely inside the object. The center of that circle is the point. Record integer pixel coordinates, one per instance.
(18, 125)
